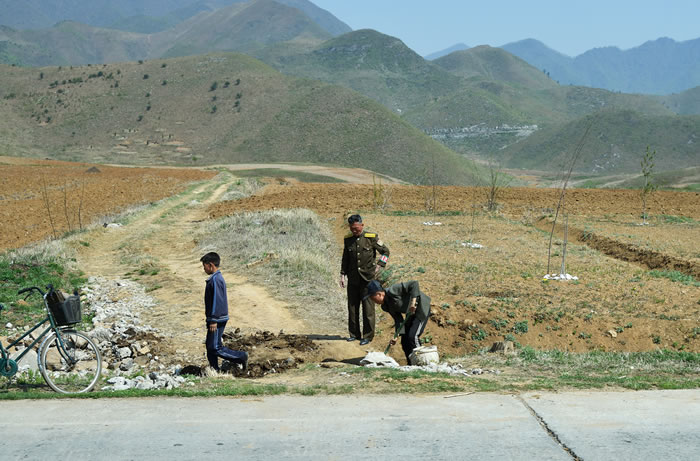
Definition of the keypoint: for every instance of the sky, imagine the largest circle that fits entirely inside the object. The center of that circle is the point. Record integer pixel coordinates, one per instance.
(570, 27)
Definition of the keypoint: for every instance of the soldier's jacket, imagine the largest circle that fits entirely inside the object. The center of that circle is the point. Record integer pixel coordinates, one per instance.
(397, 299)
(359, 256)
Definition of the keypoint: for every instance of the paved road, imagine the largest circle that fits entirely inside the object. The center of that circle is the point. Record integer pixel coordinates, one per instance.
(582, 425)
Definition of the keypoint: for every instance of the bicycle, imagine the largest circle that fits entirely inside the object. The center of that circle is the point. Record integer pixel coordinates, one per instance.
(69, 361)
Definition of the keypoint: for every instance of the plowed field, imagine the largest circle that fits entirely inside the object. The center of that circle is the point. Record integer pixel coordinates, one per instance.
(41, 198)
(498, 292)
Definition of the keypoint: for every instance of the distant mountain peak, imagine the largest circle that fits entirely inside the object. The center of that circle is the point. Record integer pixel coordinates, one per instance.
(438, 54)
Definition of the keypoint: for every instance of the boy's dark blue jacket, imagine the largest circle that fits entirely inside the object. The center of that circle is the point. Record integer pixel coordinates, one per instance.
(215, 301)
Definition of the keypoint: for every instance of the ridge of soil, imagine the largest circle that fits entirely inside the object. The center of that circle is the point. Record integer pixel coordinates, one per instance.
(623, 251)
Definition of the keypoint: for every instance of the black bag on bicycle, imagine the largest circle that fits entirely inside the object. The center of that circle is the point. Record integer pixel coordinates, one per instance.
(65, 311)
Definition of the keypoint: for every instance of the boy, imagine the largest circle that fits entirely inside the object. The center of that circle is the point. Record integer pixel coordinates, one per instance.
(216, 310)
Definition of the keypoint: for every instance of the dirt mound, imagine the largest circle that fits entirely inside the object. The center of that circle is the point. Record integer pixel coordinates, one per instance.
(623, 251)
(269, 340)
(269, 353)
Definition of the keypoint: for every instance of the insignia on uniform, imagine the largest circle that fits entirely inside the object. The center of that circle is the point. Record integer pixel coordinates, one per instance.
(370, 236)
(380, 243)
(384, 258)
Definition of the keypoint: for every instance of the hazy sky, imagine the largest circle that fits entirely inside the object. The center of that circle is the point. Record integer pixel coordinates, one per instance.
(570, 27)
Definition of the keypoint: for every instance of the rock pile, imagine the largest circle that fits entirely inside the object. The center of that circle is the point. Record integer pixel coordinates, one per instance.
(127, 345)
(379, 359)
(153, 380)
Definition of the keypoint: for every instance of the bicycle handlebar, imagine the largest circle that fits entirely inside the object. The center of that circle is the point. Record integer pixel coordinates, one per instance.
(25, 290)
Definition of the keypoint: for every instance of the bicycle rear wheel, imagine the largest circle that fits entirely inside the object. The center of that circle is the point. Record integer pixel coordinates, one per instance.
(70, 362)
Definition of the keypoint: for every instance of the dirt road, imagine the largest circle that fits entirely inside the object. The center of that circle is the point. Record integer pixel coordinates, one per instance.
(349, 175)
(157, 248)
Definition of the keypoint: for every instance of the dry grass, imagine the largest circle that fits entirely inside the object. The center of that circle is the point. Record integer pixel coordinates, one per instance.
(288, 251)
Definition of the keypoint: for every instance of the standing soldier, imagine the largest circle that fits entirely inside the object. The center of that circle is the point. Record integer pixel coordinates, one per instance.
(359, 266)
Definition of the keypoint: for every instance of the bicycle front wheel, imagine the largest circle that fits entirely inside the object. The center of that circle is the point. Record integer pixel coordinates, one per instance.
(70, 362)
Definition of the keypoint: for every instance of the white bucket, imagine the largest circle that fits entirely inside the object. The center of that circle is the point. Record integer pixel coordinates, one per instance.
(424, 355)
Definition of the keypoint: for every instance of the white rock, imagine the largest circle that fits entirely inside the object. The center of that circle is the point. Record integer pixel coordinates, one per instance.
(378, 359)
(123, 352)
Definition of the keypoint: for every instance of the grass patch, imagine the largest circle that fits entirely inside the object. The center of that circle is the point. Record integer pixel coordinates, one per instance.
(216, 388)
(37, 265)
(675, 276)
(241, 188)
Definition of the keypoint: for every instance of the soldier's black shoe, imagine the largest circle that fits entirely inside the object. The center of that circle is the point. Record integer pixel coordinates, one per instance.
(364, 342)
(352, 338)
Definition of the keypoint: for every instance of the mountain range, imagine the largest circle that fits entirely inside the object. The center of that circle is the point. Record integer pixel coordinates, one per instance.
(145, 16)
(661, 66)
(207, 109)
(481, 102)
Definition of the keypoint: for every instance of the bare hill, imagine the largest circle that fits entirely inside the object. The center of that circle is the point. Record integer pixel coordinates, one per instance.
(239, 27)
(208, 109)
(242, 26)
(495, 64)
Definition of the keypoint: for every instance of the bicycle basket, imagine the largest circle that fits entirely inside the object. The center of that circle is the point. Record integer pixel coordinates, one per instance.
(66, 312)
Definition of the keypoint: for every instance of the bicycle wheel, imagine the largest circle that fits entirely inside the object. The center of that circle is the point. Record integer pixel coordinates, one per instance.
(70, 362)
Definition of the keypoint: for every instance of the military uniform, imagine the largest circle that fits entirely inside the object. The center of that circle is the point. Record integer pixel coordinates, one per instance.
(359, 265)
(397, 300)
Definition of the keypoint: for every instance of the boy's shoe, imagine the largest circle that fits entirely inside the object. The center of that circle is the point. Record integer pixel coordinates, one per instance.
(352, 338)
(364, 342)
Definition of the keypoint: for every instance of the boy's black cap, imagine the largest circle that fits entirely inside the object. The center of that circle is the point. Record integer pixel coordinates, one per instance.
(372, 288)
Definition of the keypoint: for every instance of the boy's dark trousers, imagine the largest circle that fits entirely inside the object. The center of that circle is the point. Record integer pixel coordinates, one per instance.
(216, 349)
(411, 339)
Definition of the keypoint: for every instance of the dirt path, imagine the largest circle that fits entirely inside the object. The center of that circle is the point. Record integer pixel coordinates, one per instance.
(158, 249)
(349, 175)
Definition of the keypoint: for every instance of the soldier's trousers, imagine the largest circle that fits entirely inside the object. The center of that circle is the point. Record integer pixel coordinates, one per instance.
(356, 291)
(413, 329)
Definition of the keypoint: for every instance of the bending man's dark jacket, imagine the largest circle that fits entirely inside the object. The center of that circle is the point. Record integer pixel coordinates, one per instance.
(397, 300)
(215, 300)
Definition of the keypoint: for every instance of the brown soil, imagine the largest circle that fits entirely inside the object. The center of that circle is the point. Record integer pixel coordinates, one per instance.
(625, 251)
(161, 239)
(77, 195)
(481, 296)
(337, 199)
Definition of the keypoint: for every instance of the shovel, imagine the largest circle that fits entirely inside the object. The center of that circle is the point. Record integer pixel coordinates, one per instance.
(396, 335)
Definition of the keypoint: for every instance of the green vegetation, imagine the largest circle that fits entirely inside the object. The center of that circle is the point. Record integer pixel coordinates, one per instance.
(527, 370)
(34, 266)
(283, 119)
(675, 276)
(628, 131)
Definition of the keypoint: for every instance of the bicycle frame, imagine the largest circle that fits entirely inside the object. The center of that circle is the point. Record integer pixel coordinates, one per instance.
(4, 351)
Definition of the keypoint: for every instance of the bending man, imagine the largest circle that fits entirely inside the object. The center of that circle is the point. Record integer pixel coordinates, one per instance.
(403, 299)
